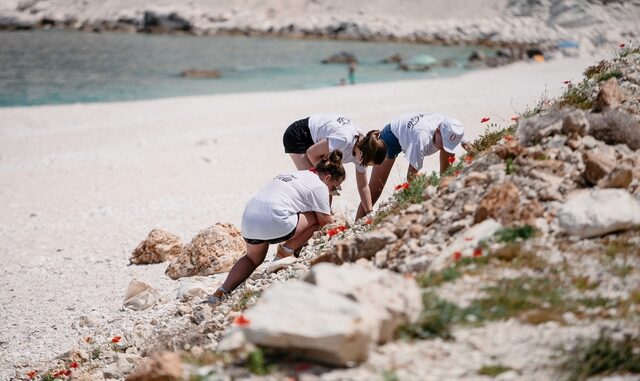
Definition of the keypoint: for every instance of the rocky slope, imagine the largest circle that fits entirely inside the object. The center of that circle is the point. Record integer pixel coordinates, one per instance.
(591, 23)
(526, 253)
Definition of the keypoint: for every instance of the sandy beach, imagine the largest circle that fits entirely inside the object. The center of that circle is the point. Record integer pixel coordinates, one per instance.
(81, 185)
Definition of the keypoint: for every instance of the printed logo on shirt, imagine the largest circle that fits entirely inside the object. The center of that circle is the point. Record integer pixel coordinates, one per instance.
(343, 120)
(285, 178)
(414, 120)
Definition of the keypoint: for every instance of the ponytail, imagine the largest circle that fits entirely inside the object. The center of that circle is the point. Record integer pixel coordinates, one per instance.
(332, 165)
(373, 148)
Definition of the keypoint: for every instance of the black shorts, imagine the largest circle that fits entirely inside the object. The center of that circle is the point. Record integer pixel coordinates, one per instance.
(272, 241)
(297, 137)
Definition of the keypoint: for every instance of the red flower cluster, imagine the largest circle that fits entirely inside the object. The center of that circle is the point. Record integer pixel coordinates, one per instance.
(402, 186)
(451, 159)
(567, 82)
(63, 372)
(468, 159)
(73, 365)
(116, 339)
(477, 252)
(336, 230)
(369, 221)
(457, 173)
(484, 120)
(32, 374)
(508, 138)
(457, 256)
(241, 321)
(622, 46)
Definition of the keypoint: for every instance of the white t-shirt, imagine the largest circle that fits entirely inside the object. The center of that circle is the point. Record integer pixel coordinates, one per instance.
(415, 133)
(272, 212)
(340, 133)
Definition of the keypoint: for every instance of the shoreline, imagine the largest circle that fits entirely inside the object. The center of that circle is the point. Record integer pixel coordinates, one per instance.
(82, 184)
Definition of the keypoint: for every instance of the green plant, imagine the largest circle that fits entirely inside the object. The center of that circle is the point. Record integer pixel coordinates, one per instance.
(576, 96)
(411, 192)
(245, 298)
(596, 70)
(390, 375)
(602, 356)
(510, 168)
(436, 278)
(257, 364)
(609, 74)
(435, 320)
(511, 234)
(95, 353)
(582, 283)
(628, 50)
(493, 370)
(492, 135)
(47, 377)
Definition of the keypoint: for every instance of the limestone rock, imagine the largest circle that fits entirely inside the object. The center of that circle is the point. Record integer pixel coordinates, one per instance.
(575, 122)
(159, 246)
(592, 213)
(165, 366)
(141, 296)
(532, 130)
(466, 243)
(364, 246)
(610, 96)
(393, 299)
(501, 202)
(211, 251)
(189, 290)
(311, 321)
(597, 166)
(619, 177)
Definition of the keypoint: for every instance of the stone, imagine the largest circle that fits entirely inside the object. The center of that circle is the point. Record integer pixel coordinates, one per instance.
(467, 242)
(500, 202)
(597, 165)
(389, 297)
(166, 366)
(593, 213)
(201, 313)
(575, 123)
(619, 177)
(532, 130)
(157, 23)
(610, 96)
(476, 178)
(318, 323)
(126, 362)
(213, 250)
(363, 246)
(140, 296)
(275, 266)
(189, 290)
(509, 150)
(159, 246)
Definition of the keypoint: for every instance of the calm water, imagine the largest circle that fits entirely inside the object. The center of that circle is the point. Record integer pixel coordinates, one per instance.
(52, 67)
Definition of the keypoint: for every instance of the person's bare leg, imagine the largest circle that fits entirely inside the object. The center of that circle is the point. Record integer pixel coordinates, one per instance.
(379, 175)
(245, 266)
(307, 224)
(301, 161)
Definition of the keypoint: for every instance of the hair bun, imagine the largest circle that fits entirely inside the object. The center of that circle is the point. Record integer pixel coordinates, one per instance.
(335, 157)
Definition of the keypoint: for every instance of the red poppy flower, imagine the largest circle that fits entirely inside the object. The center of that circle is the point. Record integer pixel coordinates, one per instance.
(67, 372)
(32, 374)
(567, 82)
(622, 46)
(241, 321)
(477, 252)
(468, 239)
(402, 186)
(484, 120)
(73, 365)
(369, 221)
(341, 228)
(116, 339)
(457, 256)
(451, 159)
(468, 159)
(331, 232)
(508, 138)
(58, 374)
(515, 118)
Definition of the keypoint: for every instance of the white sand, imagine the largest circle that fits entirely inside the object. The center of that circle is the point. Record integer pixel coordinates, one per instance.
(81, 185)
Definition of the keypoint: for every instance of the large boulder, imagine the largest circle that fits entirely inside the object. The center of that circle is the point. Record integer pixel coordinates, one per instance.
(592, 213)
(213, 250)
(391, 298)
(610, 96)
(501, 202)
(159, 246)
(312, 322)
(158, 23)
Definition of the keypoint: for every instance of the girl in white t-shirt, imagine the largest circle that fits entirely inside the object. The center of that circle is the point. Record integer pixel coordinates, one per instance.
(417, 135)
(288, 209)
(309, 140)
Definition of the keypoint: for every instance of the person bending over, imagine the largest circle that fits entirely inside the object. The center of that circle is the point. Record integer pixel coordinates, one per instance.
(288, 209)
(417, 135)
(309, 140)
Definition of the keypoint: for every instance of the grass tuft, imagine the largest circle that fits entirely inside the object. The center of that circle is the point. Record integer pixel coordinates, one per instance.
(512, 234)
(493, 370)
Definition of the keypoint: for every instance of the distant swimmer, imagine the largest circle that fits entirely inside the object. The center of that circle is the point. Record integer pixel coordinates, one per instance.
(310, 140)
(417, 135)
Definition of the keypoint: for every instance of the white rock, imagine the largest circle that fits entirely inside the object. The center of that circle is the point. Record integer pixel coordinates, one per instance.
(388, 297)
(592, 213)
(311, 321)
(467, 242)
(189, 290)
(140, 296)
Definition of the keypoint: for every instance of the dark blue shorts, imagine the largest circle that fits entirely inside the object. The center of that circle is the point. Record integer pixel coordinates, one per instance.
(393, 145)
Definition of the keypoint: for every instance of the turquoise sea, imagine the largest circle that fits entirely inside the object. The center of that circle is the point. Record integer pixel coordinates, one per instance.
(57, 67)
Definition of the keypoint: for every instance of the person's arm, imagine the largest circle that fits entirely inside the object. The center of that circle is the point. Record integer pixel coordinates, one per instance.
(411, 172)
(323, 219)
(318, 151)
(444, 160)
(364, 191)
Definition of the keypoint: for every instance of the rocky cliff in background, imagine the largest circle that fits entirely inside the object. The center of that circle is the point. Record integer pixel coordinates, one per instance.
(494, 22)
